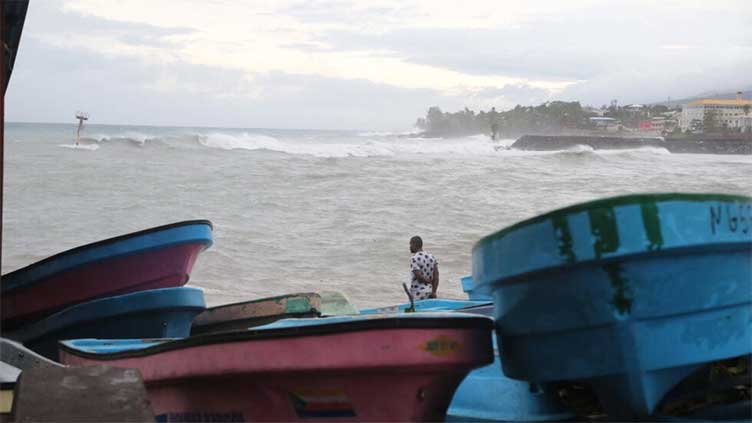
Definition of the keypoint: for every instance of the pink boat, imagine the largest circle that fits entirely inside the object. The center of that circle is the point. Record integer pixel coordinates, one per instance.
(352, 368)
(160, 257)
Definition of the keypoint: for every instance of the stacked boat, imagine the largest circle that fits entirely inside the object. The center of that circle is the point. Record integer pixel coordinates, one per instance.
(629, 299)
(120, 303)
(128, 286)
(635, 307)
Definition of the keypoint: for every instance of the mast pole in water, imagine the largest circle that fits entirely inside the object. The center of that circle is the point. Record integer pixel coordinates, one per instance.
(81, 116)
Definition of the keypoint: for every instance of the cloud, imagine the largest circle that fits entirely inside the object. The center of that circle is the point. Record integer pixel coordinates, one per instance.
(578, 45)
(346, 64)
(52, 19)
(120, 90)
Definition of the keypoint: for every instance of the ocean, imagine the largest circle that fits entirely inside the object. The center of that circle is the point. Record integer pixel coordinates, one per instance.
(303, 210)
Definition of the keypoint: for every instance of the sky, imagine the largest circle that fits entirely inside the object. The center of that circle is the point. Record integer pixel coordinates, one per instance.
(376, 64)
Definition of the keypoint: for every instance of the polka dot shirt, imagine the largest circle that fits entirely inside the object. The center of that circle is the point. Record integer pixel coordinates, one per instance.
(425, 263)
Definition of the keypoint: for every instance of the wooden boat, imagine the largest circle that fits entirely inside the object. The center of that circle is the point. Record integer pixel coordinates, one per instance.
(160, 257)
(384, 368)
(156, 313)
(630, 294)
(335, 303)
(259, 312)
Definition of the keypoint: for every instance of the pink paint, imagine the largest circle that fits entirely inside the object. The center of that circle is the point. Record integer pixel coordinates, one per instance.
(163, 268)
(396, 374)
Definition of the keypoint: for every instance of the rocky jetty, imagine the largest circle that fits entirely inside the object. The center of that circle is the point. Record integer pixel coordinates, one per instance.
(699, 145)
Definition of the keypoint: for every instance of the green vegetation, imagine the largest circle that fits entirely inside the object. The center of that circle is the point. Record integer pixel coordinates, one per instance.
(549, 117)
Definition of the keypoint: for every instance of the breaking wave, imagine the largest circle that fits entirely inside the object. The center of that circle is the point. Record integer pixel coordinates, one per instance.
(365, 144)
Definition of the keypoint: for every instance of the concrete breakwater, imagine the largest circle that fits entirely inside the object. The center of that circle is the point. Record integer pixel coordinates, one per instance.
(731, 145)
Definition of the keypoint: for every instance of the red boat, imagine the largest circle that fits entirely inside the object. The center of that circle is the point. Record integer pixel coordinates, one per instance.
(160, 257)
(377, 368)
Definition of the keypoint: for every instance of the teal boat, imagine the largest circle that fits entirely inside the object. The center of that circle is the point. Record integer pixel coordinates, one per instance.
(627, 295)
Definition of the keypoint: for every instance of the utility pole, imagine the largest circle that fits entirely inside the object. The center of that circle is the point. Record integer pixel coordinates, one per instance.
(81, 116)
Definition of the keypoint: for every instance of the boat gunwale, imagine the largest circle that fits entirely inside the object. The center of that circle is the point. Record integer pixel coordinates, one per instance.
(211, 320)
(524, 277)
(476, 322)
(147, 301)
(616, 201)
(9, 286)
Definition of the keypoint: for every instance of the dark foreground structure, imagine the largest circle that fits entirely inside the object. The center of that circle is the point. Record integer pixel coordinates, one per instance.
(700, 145)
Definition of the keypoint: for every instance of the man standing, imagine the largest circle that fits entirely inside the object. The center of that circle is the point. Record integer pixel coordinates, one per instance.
(424, 270)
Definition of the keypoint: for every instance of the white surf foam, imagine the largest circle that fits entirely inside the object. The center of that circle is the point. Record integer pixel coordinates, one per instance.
(389, 146)
(89, 147)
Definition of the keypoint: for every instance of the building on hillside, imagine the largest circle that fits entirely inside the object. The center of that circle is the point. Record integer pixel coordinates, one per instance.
(732, 114)
(605, 123)
(634, 108)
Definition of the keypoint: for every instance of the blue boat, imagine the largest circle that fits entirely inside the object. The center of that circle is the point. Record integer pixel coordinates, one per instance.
(486, 395)
(432, 304)
(157, 313)
(469, 289)
(628, 295)
(160, 257)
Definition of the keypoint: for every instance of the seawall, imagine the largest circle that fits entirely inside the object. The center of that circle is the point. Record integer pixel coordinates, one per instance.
(736, 145)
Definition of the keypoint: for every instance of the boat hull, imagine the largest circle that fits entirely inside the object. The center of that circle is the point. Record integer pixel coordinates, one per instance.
(434, 304)
(377, 370)
(259, 312)
(629, 295)
(159, 313)
(161, 257)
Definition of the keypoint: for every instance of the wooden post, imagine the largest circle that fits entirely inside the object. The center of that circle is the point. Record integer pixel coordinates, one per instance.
(3, 72)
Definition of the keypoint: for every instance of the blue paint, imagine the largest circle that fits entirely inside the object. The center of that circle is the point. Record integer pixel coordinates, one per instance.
(157, 313)
(433, 304)
(634, 295)
(319, 321)
(487, 395)
(468, 288)
(104, 346)
(107, 346)
(139, 242)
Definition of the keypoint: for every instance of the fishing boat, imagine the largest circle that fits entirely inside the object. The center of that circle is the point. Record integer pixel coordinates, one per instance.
(469, 288)
(377, 367)
(628, 295)
(486, 395)
(431, 304)
(258, 312)
(160, 257)
(335, 303)
(156, 313)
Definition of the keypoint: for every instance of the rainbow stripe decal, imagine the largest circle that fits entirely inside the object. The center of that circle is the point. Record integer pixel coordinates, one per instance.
(318, 403)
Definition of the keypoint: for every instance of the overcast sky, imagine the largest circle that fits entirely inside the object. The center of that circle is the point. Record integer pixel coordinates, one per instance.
(376, 64)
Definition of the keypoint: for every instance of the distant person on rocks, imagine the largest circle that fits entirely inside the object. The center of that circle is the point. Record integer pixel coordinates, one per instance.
(494, 130)
(424, 270)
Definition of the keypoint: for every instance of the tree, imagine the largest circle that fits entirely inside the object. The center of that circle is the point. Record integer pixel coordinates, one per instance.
(710, 121)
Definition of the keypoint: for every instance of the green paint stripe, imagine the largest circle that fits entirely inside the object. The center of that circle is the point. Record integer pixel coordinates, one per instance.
(635, 199)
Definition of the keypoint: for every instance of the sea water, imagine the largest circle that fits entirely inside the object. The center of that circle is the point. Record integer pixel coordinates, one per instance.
(301, 210)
